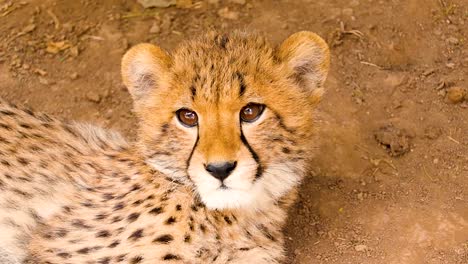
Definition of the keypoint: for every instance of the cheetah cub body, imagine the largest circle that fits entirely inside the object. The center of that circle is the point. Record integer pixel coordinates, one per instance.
(225, 133)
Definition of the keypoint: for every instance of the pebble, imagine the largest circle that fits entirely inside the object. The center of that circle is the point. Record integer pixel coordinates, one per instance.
(450, 65)
(74, 76)
(456, 94)
(155, 28)
(156, 3)
(452, 40)
(361, 248)
(93, 97)
(43, 81)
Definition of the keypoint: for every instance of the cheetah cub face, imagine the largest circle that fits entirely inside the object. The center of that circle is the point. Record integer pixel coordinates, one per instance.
(229, 116)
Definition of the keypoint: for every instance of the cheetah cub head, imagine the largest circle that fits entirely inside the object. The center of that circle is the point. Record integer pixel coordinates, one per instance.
(229, 116)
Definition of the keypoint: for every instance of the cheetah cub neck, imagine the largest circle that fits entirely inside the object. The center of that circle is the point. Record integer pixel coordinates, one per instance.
(230, 117)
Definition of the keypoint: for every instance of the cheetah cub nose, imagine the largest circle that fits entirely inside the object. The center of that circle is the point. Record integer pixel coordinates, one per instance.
(221, 170)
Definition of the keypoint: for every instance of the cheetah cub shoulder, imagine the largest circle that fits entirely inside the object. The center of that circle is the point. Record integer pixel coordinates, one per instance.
(225, 132)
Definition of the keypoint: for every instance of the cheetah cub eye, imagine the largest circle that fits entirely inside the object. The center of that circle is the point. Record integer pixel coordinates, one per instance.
(187, 117)
(230, 116)
(251, 112)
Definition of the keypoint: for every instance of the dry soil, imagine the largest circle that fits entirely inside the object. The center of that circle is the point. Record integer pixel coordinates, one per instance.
(389, 184)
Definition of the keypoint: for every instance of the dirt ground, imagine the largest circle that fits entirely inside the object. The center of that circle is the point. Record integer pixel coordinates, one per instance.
(389, 184)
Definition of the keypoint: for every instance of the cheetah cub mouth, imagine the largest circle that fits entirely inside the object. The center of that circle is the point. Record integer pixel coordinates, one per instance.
(229, 116)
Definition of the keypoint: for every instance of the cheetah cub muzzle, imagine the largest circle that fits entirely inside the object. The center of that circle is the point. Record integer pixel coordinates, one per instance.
(226, 128)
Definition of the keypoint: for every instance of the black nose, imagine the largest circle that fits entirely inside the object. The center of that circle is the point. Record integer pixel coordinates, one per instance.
(221, 170)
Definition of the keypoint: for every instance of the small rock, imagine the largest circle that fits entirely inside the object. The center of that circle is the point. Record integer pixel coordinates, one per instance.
(93, 97)
(361, 248)
(456, 94)
(29, 28)
(428, 72)
(74, 51)
(26, 66)
(227, 14)
(40, 72)
(43, 81)
(360, 196)
(452, 40)
(396, 141)
(432, 132)
(155, 28)
(450, 65)
(156, 3)
(74, 76)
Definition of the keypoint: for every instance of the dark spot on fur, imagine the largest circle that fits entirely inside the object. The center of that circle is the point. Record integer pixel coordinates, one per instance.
(227, 220)
(133, 216)
(7, 112)
(156, 210)
(84, 250)
(119, 206)
(116, 219)
(22, 161)
(187, 238)
(171, 220)
(120, 257)
(79, 223)
(64, 255)
(286, 150)
(136, 260)
(170, 257)
(178, 207)
(203, 228)
(103, 233)
(26, 126)
(104, 260)
(164, 239)
(114, 244)
(5, 126)
(136, 235)
(100, 216)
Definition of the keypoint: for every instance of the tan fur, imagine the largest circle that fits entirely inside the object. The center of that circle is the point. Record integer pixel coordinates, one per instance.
(92, 198)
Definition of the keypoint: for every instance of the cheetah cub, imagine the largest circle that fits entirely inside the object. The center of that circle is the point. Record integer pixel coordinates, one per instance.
(226, 129)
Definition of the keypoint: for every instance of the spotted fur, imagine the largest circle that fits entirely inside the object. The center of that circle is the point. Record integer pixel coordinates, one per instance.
(72, 193)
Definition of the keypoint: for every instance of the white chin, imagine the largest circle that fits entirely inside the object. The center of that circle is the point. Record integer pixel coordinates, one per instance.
(228, 199)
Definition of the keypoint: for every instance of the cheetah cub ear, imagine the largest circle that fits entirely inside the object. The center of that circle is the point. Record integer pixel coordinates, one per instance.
(143, 68)
(308, 57)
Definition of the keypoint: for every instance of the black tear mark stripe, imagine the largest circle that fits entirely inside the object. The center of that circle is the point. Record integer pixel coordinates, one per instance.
(191, 153)
(259, 172)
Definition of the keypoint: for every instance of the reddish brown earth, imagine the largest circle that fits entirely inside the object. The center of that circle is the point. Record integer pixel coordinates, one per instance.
(389, 184)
